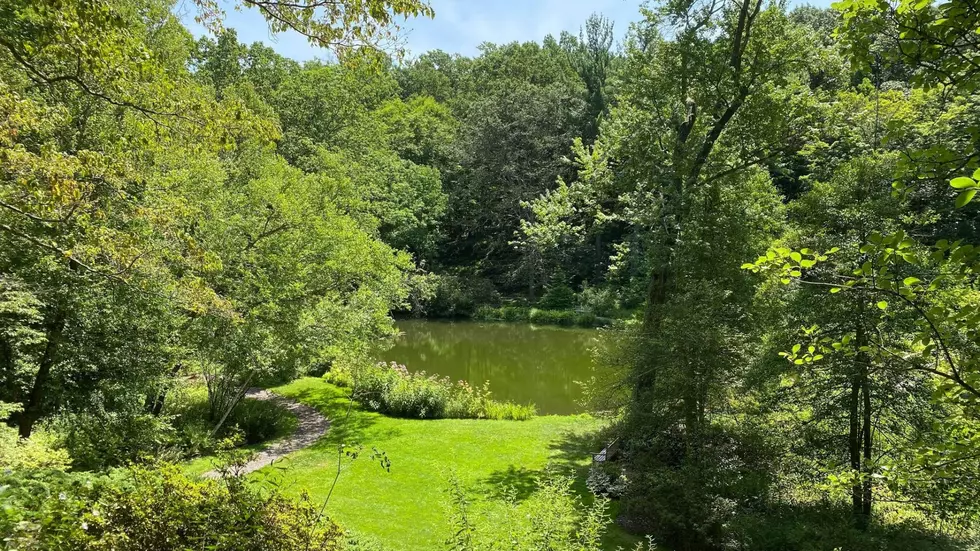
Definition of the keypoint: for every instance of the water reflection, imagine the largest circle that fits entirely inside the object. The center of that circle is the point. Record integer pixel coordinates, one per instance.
(523, 363)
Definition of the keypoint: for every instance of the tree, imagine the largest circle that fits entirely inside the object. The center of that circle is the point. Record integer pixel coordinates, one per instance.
(591, 55)
(110, 150)
(512, 138)
(344, 26)
(708, 93)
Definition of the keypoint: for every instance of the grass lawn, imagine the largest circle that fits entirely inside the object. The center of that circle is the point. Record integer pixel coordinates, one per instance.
(406, 507)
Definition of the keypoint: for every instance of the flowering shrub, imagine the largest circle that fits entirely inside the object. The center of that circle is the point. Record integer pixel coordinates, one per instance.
(394, 390)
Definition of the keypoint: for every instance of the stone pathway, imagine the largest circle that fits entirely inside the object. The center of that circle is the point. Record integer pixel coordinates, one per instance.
(311, 425)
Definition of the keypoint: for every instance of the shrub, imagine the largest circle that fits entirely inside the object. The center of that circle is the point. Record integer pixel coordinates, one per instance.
(393, 390)
(586, 319)
(156, 509)
(565, 318)
(551, 516)
(254, 420)
(696, 502)
(598, 301)
(558, 297)
(456, 296)
(261, 421)
(515, 313)
(553, 317)
(100, 439)
(36, 452)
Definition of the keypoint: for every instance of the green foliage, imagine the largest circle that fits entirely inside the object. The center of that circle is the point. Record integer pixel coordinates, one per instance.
(99, 439)
(156, 508)
(460, 296)
(342, 26)
(39, 452)
(557, 296)
(255, 421)
(568, 318)
(552, 517)
(152, 230)
(393, 390)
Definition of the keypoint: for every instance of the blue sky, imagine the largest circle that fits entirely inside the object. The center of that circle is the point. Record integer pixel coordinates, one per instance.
(460, 26)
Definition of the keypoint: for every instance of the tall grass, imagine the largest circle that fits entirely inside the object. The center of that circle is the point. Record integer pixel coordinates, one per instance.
(393, 390)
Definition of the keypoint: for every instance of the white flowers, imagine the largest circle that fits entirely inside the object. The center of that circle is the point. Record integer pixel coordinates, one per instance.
(62, 496)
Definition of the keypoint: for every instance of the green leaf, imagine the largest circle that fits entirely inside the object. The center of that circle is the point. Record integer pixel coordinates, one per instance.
(965, 198)
(962, 182)
(835, 290)
(883, 305)
(910, 281)
(796, 256)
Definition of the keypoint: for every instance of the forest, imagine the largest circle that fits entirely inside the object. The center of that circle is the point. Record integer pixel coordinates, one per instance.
(760, 217)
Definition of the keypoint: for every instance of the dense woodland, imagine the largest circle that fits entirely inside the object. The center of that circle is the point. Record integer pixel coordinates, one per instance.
(771, 207)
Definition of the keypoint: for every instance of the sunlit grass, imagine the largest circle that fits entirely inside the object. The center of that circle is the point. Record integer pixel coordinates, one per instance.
(405, 508)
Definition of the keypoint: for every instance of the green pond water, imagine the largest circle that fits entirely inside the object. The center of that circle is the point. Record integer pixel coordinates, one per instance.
(523, 363)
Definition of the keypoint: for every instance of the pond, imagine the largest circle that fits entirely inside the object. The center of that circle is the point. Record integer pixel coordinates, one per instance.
(524, 363)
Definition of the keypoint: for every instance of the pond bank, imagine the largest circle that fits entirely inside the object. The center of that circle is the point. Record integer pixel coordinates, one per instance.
(564, 318)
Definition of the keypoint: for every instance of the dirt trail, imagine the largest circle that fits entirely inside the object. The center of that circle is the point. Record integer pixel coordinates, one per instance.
(311, 425)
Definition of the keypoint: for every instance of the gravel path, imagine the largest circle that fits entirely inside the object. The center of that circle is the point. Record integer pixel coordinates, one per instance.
(311, 425)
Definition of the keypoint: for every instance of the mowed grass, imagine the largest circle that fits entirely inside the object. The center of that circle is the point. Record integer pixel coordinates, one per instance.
(406, 507)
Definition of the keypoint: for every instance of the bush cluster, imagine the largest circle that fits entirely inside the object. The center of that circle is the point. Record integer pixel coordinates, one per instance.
(254, 421)
(155, 509)
(393, 390)
(558, 297)
(99, 438)
(548, 515)
(455, 296)
(567, 318)
(27, 454)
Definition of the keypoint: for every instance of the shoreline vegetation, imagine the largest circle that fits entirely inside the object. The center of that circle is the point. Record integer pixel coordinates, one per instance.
(539, 316)
(391, 389)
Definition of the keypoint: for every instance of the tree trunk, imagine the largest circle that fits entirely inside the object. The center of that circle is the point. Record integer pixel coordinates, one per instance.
(33, 407)
(861, 445)
(237, 398)
(854, 446)
(868, 448)
(156, 401)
